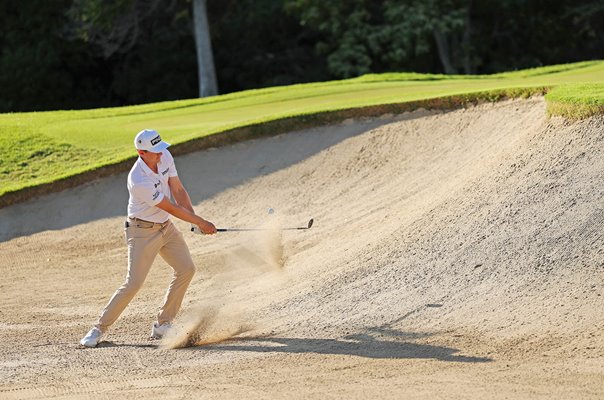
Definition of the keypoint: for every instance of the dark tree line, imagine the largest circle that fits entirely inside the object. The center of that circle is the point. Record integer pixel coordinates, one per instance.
(60, 54)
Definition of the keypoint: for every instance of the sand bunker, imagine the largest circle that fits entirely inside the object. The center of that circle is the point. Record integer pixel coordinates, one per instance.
(454, 254)
(253, 267)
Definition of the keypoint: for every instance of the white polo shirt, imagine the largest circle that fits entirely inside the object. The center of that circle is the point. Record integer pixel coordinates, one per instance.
(147, 189)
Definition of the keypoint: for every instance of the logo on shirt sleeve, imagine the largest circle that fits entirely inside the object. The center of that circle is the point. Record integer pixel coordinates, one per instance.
(155, 195)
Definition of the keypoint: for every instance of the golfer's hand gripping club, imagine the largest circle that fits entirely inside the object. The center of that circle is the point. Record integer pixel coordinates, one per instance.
(205, 228)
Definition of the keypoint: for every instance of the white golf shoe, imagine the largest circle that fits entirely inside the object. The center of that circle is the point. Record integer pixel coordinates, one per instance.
(92, 338)
(159, 331)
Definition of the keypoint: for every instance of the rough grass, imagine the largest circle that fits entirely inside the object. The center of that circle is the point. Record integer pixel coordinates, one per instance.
(43, 151)
(576, 101)
(32, 158)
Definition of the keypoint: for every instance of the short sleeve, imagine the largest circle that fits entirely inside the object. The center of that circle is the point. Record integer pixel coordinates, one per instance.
(146, 192)
(171, 165)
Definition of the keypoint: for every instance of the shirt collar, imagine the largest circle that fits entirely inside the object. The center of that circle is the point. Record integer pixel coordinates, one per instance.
(145, 168)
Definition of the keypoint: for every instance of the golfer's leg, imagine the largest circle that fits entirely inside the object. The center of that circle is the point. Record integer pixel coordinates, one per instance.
(143, 246)
(176, 253)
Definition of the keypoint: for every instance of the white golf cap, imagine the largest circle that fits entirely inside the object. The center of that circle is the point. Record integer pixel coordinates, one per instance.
(149, 139)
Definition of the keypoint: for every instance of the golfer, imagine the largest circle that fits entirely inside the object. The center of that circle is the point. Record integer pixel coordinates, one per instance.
(152, 181)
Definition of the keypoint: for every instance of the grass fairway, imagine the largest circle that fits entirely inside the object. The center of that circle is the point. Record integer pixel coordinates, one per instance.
(45, 147)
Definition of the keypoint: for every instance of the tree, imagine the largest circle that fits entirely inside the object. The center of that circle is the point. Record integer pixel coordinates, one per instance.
(118, 26)
(38, 70)
(113, 25)
(97, 53)
(259, 44)
(387, 35)
(344, 28)
(203, 46)
(447, 22)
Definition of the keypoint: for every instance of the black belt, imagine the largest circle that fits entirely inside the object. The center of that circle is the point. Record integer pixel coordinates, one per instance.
(141, 223)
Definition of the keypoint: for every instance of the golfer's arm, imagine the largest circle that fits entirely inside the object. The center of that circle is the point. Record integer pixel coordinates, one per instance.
(180, 212)
(180, 194)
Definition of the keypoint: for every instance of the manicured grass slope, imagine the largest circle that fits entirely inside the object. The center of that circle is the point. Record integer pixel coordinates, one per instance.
(45, 147)
(576, 101)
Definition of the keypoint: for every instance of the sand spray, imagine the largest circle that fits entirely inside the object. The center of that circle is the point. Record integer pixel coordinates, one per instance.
(253, 268)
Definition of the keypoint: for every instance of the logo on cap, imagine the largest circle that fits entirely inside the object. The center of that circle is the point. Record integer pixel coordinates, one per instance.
(150, 140)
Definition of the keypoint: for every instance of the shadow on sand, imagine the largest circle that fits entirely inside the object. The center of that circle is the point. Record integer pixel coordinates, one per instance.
(204, 173)
(106, 344)
(361, 345)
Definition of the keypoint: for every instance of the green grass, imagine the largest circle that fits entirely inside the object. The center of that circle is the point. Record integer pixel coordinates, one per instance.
(576, 101)
(47, 148)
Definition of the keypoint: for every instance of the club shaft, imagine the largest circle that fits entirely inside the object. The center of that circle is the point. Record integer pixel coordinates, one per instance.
(260, 229)
(254, 229)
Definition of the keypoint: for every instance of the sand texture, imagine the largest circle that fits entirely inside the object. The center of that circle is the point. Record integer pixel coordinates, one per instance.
(454, 255)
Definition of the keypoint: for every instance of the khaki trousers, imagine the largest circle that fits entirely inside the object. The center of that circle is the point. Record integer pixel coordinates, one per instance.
(145, 241)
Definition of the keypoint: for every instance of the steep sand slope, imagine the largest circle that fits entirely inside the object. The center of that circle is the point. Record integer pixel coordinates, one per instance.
(454, 255)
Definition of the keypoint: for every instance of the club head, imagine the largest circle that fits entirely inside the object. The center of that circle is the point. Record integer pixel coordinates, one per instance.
(310, 222)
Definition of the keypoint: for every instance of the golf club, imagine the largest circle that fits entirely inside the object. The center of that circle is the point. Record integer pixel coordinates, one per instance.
(195, 229)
